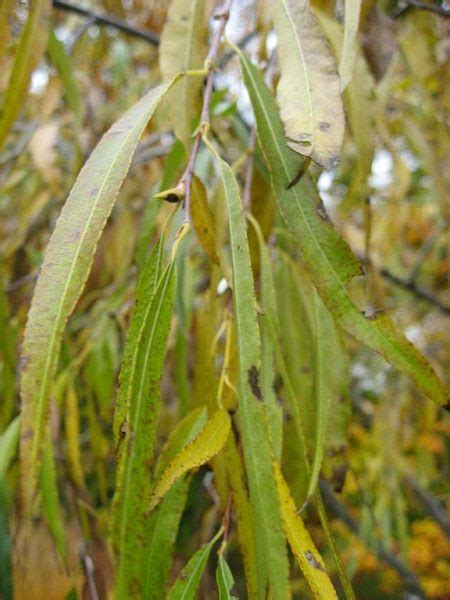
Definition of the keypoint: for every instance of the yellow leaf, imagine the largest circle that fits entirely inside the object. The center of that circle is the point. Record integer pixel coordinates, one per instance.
(207, 444)
(309, 89)
(203, 220)
(181, 50)
(301, 544)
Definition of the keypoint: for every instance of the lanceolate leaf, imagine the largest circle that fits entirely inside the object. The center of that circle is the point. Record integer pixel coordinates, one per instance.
(181, 50)
(8, 445)
(66, 266)
(203, 219)
(308, 91)
(224, 579)
(326, 255)
(164, 521)
(301, 544)
(351, 22)
(185, 587)
(31, 47)
(255, 432)
(140, 381)
(206, 445)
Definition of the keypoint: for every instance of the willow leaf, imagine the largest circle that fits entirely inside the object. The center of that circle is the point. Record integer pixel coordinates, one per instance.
(301, 544)
(203, 219)
(31, 47)
(255, 430)
(164, 521)
(66, 266)
(145, 289)
(327, 257)
(185, 587)
(139, 383)
(309, 89)
(351, 21)
(50, 499)
(224, 579)
(181, 50)
(9, 440)
(207, 444)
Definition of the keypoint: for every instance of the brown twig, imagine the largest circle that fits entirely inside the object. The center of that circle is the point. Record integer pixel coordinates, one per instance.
(186, 179)
(148, 36)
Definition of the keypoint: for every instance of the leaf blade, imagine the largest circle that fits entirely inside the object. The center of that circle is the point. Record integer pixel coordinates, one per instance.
(64, 272)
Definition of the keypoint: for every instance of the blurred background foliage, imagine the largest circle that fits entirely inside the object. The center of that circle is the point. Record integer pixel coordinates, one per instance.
(386, 469)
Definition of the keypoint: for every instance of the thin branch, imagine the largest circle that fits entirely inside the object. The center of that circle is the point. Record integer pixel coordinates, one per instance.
(211, 59)
(405, 5)
(412, 287)
(340, 511)
(433, 506)
(148, 36)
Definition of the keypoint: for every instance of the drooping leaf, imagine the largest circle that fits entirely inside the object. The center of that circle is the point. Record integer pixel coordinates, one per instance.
(31, 48)
(327, 257)
(255, 431)
(63, 63)
(224, 579)
(206, 445)
(8, 445)
(50, 500)
(308, 91)
(66, 266)
(181, 50)
(185, 587)
(301, 544)
(351, 21)
(139, 391)
(203, 219)
(164, 521)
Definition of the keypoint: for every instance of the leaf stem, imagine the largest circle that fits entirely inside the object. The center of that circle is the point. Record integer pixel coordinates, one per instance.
(222, 18)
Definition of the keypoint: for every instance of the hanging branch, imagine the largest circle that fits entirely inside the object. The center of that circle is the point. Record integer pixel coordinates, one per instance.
(211, 59)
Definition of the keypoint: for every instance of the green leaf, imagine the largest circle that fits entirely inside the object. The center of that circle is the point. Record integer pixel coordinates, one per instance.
(50, 500)
(6, 17)
(327, 257)
(301, 544)
(224, 579)
(64, 272)
(63, 64)
(181, 50)
(139, 393)
(185, 587)
(8, 446)
(253, 417)
(31, 48)
(6, 571)
(207, 444)
(351, 21)
(308, 91)
(164, 521)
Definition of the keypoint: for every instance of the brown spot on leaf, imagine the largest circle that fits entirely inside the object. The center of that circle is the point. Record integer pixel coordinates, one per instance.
(323, 126)
(253, 382)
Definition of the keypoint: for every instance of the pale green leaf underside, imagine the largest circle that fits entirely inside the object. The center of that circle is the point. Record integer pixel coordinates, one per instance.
(309, 89)
(350, 46)
(66, 266)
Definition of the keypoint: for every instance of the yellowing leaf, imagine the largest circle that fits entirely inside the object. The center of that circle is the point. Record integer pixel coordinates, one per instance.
(31, 47)
(351, 21)
(206, 445)
(66, 266)
(308, 90)
(203, 220)
(180, 51)
(301, 544)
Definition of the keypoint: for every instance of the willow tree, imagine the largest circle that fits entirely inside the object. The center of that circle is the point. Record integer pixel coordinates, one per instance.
(219, 339)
